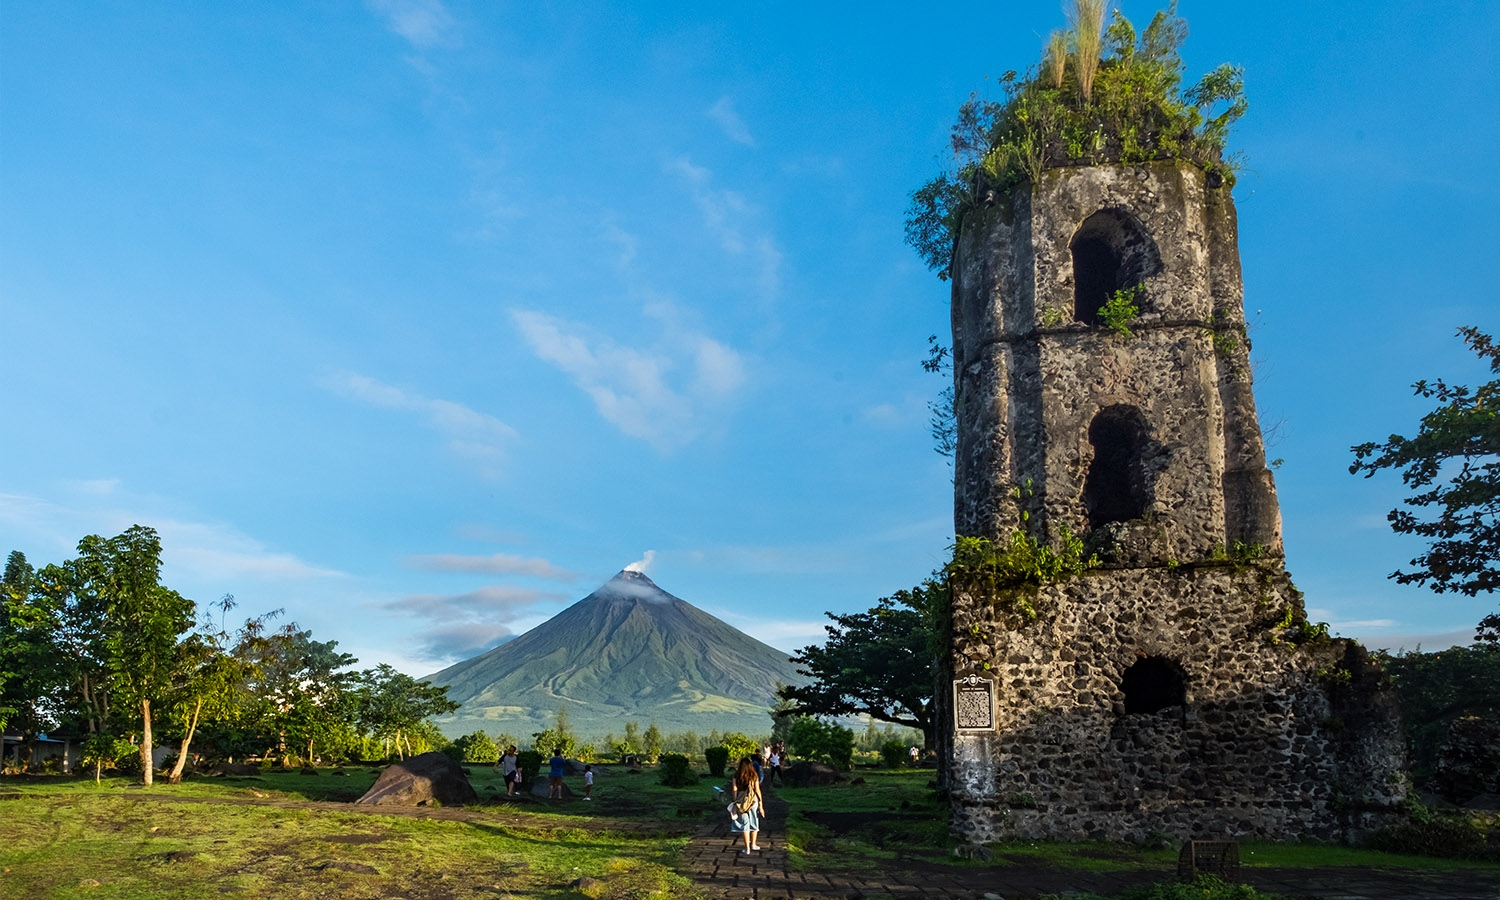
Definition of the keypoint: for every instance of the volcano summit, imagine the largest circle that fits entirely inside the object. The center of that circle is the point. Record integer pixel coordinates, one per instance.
(629, 651)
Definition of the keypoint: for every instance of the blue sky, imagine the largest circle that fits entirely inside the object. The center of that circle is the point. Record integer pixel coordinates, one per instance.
(420, 319)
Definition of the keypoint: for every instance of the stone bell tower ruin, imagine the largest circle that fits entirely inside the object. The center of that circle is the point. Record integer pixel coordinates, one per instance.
(1176, 688)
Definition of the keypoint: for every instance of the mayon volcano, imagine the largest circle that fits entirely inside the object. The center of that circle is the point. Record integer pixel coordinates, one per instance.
(629, 651)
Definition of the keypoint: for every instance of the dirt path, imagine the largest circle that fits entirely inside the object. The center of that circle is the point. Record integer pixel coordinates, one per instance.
(511, 814)
(713, 860)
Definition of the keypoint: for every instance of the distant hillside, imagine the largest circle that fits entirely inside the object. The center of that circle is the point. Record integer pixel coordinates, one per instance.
(629, 651)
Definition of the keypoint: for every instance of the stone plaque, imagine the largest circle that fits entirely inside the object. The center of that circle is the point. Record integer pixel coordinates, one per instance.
(974, 703)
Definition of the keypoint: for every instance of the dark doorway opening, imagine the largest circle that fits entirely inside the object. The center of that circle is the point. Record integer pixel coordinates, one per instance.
(1152, 685)
(1115, 490)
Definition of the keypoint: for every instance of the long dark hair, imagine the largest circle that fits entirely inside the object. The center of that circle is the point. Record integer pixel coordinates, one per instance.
(745, 774)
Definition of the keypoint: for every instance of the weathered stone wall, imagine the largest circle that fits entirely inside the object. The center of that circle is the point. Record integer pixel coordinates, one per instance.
(1267, 738)
(1029, 378)
(1271, 740)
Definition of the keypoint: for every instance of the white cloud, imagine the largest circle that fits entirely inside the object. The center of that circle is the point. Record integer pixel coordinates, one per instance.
(494, 564)
(662, 395)
(199, 553)
(501, 603)
(422, 23)
(732, 220)
(729, 121)
(452, 643)
(454, 626)
(477, 436)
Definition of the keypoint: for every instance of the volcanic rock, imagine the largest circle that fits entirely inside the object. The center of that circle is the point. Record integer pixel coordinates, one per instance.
(419, 781)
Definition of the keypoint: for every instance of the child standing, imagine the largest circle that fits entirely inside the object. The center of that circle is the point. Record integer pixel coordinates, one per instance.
(588, 782)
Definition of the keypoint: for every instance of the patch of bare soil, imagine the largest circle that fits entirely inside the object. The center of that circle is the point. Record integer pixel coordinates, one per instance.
(356, 838)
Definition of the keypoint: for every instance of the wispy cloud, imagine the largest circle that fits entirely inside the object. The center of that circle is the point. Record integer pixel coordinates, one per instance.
(202, 553)
(494, 564)
(663, 395)
(496, 603)
(642, 565)
(424, 24)
(460, 625)
(477, 436)
(723, 114)
(732, 221)
(452, 643)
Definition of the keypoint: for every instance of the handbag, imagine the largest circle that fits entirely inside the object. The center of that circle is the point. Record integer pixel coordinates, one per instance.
(743, 804)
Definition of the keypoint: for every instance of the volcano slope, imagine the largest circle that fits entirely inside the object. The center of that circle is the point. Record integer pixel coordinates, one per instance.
(629, 651)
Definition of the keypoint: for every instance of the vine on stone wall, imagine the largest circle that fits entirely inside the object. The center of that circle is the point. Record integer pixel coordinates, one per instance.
(1005, 569)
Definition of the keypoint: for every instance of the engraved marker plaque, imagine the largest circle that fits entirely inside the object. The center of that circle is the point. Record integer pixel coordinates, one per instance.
(974, 703)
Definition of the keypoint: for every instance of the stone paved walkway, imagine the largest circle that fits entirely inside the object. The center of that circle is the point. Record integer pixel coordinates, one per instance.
(714, 861)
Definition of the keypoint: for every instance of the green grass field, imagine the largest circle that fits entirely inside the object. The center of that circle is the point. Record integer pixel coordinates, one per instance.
(288, 835)
(895, 813)
(281, 836)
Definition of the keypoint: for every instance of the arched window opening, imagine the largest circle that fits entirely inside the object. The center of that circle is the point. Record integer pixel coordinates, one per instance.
(1152, 685)
(1111, 251)
(1094, 272)
(1116, 490)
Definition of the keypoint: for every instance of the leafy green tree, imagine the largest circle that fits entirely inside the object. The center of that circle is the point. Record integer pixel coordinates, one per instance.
(393, 705)
(80, 627)
(739, 745)
(652, 743)
(1453, 467)
(881, 663)
(143, 621)
(31, 676)
(1438, 689)
(477, 748)
(821, 741)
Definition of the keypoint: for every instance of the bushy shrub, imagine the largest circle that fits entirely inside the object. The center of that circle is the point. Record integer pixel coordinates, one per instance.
(894, 754)
(677, 771)
(739, 745)
(476, 748)
(1453, 838)
(530, 762)
(546, 741)
(1204, 887)
(822, 742)
(718, 758)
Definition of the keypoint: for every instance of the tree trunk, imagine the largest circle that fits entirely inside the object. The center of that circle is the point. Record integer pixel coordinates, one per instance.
(182, 755)
(146, 740)
(98, 769)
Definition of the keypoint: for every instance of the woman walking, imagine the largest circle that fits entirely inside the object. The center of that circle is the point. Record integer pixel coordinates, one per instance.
(748, 805)
(512, 770)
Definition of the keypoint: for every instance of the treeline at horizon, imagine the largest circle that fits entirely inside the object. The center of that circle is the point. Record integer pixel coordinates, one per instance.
(804, 736)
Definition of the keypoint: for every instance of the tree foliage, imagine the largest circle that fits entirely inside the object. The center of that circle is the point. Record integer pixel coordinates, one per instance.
(394, 705)
(880, 663)
(821, 741)
(1452, 466)
(1437, 689)
(1078, 107)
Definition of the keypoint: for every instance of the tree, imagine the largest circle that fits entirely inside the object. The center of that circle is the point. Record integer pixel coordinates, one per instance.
(392, 705)
(881, 663)
(1453, 467)
(1438, 689)
(476, 748)
(652, 743)
(142, 622)
(31, 676)
(821, 741)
